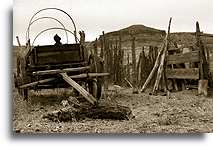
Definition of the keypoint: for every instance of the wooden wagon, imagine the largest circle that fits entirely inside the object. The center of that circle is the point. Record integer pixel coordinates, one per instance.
(59, 65)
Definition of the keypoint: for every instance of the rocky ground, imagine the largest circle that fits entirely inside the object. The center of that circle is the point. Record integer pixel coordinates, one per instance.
(183, 112)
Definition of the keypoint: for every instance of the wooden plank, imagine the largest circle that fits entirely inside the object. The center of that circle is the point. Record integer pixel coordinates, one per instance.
(208, 40)
(56, 66)
(89, 75)
(79, 88)
(209, 46)
(56, 71)
(36, 83)
(58, 57)
(206, 34)
(182, 73)
(154, 69)
(84, 75)
(162, 61)
(183, 58)
(52, 48)
(203, 87)
(174, 49)
(134, 61)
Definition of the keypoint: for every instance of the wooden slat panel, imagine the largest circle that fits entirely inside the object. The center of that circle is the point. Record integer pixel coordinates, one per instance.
(63, 54)
(174, 49)
(64, 47)
(208, 40)
(182, 73)
(183, 58)
(206, 35)
(210, 46)
(58, 57)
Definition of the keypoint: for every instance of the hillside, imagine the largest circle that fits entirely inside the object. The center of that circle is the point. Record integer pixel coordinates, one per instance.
(145, 35)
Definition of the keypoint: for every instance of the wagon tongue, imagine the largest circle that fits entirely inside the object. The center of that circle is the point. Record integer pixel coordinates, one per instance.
(79, 88)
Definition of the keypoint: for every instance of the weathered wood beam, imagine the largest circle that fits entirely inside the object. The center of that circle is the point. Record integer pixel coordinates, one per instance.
(96, 47)
(84, 75)
(128, 82)
(182, 73)
(161, 66)
(134, 62)
(183, 58)
(203, 61)
(102, 44)
(203, 87)
(89, 75)
(139, 69)
(18, 41)
(79, 88)
(36, 83)
(154, 68)
(205, 34)
(173, 49)
(56, 71)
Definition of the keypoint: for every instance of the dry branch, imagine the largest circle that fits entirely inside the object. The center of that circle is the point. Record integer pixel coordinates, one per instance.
(154, 68)
(161, 66)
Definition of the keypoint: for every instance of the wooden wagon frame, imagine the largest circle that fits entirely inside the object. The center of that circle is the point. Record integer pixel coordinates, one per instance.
(50, 66)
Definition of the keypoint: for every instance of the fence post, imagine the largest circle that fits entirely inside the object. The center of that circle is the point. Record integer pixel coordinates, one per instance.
(135, 90)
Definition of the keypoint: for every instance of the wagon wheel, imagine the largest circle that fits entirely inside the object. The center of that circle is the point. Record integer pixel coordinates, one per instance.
(95, 84)
(21, 76)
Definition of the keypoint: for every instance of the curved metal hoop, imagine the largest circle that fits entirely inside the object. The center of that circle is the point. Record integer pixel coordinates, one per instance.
(28, 29)
(54, 28)
(57, 10)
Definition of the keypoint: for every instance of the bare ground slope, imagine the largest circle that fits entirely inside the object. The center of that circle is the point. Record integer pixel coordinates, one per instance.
(184, 112)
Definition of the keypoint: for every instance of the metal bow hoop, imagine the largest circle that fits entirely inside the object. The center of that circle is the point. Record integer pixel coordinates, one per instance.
(54, 28)
(31, 20)
(28, 29)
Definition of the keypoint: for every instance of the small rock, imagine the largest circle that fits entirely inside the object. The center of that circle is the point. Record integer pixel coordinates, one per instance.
(37, 130)
(65, 103)
(53, 130)
(17, 130)
(29, 125)
(73, 101)
(135, 91)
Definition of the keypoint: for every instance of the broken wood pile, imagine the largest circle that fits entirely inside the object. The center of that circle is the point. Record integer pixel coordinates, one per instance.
(73, 111)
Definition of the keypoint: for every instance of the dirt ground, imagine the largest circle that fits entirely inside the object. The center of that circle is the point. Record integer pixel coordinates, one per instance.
(183, 112)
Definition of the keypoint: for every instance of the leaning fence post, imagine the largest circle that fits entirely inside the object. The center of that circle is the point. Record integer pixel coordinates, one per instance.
(135, 90)
(96, 47)
(203, 82)
(162, 61)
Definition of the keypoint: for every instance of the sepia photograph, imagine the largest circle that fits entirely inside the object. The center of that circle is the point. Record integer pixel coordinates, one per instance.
(112, 67)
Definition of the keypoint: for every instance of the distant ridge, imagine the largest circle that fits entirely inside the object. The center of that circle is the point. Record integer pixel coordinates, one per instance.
(137, 29)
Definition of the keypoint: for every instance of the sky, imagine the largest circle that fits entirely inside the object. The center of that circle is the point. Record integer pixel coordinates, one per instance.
(95, 16)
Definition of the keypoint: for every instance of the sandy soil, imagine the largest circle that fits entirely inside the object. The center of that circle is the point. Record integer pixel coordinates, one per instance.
(183, 112)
